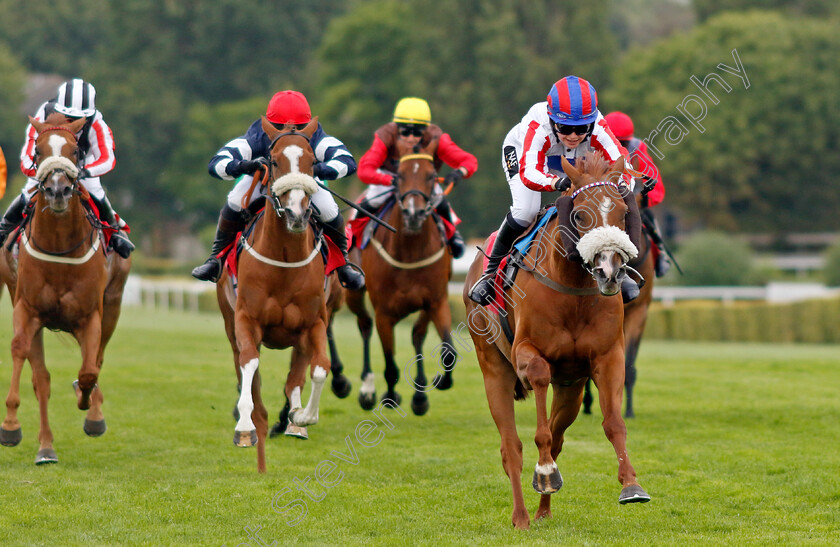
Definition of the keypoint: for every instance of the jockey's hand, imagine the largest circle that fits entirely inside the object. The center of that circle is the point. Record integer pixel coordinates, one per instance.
(83, 174)
(246, 167)
(650, 182)
(395, 181)
(453, 177)
(562, 184)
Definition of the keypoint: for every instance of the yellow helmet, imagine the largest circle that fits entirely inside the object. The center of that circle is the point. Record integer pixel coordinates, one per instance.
(413, 110)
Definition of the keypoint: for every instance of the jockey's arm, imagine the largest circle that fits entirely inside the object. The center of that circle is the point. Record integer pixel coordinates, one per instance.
(533, 166)
(100, 158)
(27, 153)
(332, 158)
(456, 157)
(370, 164)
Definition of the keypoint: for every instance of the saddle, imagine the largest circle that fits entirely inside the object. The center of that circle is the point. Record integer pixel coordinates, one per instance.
(330, 253)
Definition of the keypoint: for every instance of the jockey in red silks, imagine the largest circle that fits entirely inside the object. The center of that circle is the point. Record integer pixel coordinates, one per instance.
(567, 124)
(240, 159)
(412, 124)
(75, 99)
(622, 127)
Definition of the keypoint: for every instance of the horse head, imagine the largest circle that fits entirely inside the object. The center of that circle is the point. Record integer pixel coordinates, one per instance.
(598, 211)
(290, 172)
(56, 158)
(416, 179)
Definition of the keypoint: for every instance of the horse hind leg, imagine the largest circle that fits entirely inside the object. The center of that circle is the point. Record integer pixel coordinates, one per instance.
(385, 328)
(41, 384)
(631, 352)
(340, 385)
(420, 401)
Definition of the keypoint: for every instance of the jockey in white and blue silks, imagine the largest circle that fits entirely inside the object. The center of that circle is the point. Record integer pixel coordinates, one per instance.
(567, 124)
(239, 159)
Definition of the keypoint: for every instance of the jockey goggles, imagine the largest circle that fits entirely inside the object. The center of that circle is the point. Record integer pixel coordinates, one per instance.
(569, 129)
(414, 130)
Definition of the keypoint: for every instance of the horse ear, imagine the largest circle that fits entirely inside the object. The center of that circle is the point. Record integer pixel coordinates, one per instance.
(77, 125)
(570, 170)
(269, 129)
(617, 170)
(311, 127)
(36, 124)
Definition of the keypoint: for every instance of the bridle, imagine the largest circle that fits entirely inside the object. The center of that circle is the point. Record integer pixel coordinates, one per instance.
(427, 210)
(278, 207)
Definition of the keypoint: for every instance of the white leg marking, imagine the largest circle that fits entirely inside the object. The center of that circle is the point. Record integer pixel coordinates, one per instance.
(309, 416)
(368, 387)
(295, 402)
(246, 403)
(294, 153)
(546, 469)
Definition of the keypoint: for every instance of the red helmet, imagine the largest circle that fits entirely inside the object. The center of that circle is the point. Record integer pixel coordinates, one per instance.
(288, 107)
(620, 124)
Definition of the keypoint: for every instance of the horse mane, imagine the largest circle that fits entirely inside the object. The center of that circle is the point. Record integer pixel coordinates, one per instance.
(593, 163)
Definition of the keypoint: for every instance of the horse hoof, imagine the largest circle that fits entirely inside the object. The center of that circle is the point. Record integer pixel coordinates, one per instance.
(548, 480)
(94, 428)
(46, 455)
(442, 381)
(367, 400)
(587, 411)
(419, 404)
(629, 414)
(341, 386)
(393, 396)
(633, 494)
(293, 430)
(244, 439)
(10, 438)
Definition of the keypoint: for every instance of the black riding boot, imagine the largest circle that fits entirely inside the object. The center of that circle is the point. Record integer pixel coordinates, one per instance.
(230, 223)
(456, 242)
(629, 289)
(12, 218)
(119, 241)
(350, 275)
(484, 289)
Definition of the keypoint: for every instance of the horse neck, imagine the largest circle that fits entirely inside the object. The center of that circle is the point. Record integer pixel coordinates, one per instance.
(273, 240)
(409, 247)
(56, 232)
(563, 270)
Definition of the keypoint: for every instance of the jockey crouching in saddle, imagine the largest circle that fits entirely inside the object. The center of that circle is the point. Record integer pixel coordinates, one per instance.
(240, 158)
(622, 127)
(75, 99)
(567, 124)
(412, 124)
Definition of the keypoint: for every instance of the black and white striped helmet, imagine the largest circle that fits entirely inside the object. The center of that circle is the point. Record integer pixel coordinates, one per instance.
(76, 98)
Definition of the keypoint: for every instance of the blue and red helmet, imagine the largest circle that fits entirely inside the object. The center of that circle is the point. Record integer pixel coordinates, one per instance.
(572, 101)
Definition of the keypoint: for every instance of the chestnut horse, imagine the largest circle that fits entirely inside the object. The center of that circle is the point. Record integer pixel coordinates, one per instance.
(635, 317)
(280, 299)
(566, 317)
(62, 280)
(406, 272)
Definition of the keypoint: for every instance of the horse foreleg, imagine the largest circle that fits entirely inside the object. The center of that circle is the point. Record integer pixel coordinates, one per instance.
(260, 418)
(385, 329)
(41, 384)
(499, 382)
(25, 328)
(356, 304)
(315, 346)
(535, 368)
(247, 335)
(420, 401)
(565, 406)
(442, 318)
(608, 375)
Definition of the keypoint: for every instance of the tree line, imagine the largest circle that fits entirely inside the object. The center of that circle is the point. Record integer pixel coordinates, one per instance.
(177, 79)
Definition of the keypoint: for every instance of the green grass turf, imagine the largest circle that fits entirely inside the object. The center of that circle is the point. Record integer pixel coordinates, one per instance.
(736, 444)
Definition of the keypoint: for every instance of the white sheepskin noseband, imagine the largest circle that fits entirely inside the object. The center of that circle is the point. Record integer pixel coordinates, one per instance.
(292, 181)
(606, 238)
(56, 163)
